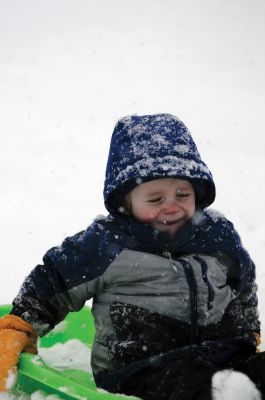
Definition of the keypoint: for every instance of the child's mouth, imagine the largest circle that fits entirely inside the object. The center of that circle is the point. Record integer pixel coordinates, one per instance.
(170, 222)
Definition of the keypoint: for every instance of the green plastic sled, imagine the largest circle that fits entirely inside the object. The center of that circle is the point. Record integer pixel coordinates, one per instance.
(34, 374)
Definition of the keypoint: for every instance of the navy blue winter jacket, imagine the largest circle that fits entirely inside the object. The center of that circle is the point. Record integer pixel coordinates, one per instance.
(152, 294)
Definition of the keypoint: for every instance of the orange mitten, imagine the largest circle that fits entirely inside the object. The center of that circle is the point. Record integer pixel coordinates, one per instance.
(16, 335)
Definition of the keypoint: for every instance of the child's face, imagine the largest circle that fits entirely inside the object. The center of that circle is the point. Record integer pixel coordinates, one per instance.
(166, 204)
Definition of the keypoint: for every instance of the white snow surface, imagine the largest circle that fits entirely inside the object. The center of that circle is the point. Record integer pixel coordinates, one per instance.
(71, 68)
(37, 395)
(73, 354)
(11, 379)
(233, 385)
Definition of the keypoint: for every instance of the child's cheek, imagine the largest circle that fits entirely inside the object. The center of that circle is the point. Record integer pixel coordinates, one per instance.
(148, 216)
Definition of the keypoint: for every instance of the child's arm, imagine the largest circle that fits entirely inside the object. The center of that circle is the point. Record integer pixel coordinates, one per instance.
(246, 287)
(249, 303)
(241, 275)
(69, 276)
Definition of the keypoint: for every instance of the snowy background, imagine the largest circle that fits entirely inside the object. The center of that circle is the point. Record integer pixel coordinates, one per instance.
(70, 68)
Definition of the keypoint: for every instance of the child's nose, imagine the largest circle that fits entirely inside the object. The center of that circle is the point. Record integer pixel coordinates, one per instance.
(172, 207)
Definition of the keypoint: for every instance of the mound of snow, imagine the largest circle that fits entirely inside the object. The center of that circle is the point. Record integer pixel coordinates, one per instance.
(232, 385)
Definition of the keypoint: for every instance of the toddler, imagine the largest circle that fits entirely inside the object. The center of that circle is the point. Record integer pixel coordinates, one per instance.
(174, 291)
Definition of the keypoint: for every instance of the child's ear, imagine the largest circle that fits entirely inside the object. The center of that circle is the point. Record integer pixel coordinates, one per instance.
(128, 204)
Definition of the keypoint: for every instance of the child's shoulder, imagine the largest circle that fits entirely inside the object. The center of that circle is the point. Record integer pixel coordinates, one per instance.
(210, 215)
(214, 215)
(214, 219)
(100, 225)
(85, 243)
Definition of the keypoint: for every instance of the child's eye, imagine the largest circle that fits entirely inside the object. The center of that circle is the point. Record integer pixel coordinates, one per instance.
(156, 200)
(182, 195)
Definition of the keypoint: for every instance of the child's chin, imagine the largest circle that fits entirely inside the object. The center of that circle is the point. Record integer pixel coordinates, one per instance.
(171, 230)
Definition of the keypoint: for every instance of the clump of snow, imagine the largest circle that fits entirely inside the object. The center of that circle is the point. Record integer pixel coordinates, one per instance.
(12, 396)
(11, 379)
(40, 395)
(182, 148)
(215, 214)
(172, 165)
(37, 360)
(64, 389)
(73, 354)
(100, 217)
(197, 217)
(233, 385)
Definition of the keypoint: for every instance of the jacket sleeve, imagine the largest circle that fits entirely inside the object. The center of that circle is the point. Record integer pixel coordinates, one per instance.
(69, 276)
(249, 302)
(246, 286)
(226, 241)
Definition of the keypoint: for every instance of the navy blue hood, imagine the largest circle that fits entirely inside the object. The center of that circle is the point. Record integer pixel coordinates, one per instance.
(150, 147)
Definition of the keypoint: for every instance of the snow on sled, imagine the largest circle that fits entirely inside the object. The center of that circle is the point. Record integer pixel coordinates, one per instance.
(59, 368)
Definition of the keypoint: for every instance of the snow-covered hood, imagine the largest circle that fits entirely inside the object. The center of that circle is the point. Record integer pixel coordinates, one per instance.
(154, 146)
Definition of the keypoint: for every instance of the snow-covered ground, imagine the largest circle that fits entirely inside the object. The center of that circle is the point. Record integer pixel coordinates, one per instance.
(71, 68)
